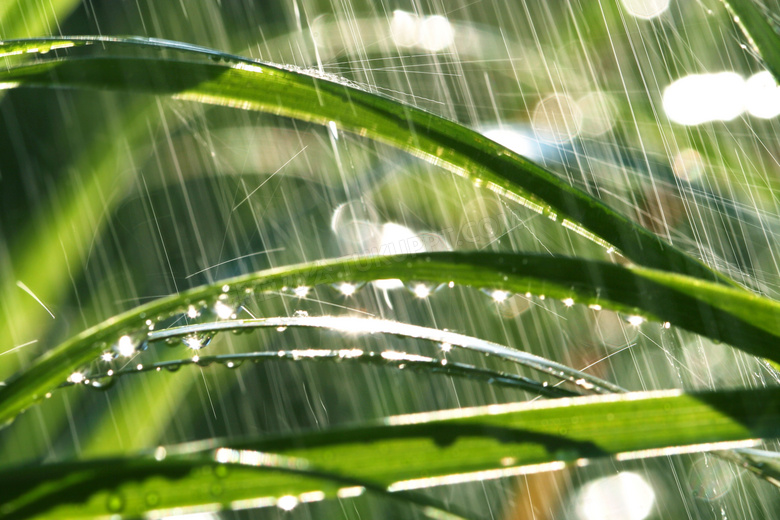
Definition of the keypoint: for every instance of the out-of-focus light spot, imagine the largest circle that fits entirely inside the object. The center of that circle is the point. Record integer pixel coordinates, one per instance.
(688, 165)
(436, 33)
(76, 377)
(700, 98)
(445, 347)
(645, 8)
(762, 95)
(160, 453)
(499, 296)
(432, 33)
(125, 346)
(635, 320)
(516, 141)
(568, 302)
(287, 503)
(301, 292)
(107, 357)
(557, 119)
(398, 239)
(403, 28)
(625, 496)
(598, 113)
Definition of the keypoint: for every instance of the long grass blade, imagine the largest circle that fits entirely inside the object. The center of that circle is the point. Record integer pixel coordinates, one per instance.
(212, 77)
(736, 317)
(364, 326)
(399, 454)
(395, 359)
(759, 32)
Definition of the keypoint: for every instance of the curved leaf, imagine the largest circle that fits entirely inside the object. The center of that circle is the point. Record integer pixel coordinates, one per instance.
(399, 454)
(314, 96)
(734, 316)
(761, 35)
(355, 325)
(423, 364)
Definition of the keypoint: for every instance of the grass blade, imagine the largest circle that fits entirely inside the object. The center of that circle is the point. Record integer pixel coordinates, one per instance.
(238, 82)
(354, 325)
(734, 316)
(422, 364)
(399, 454)
(761, 35)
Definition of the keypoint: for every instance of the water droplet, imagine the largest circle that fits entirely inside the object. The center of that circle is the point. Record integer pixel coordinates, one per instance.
(635, 320)
(224, 311)
(422, 289)
(107, 356)
(126, 347)
(711, 479)
(498, 295)
(513, 306)
(197, 341)
(76, 378)
(300, 314)
(103, 384)
(347, 288)
(192, 312)
(301, 291)
(281, 328)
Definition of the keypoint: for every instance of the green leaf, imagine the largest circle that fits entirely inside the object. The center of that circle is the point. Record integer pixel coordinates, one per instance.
(399, 454)
(313, 96)
(30, 18)
(734, 316)
(353, 325)
(395, 359)
(760, 34)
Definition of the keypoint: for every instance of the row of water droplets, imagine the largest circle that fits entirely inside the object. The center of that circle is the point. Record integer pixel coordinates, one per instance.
(209, 318)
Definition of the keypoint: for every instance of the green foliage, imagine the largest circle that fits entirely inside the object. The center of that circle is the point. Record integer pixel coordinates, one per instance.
(608, 262)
